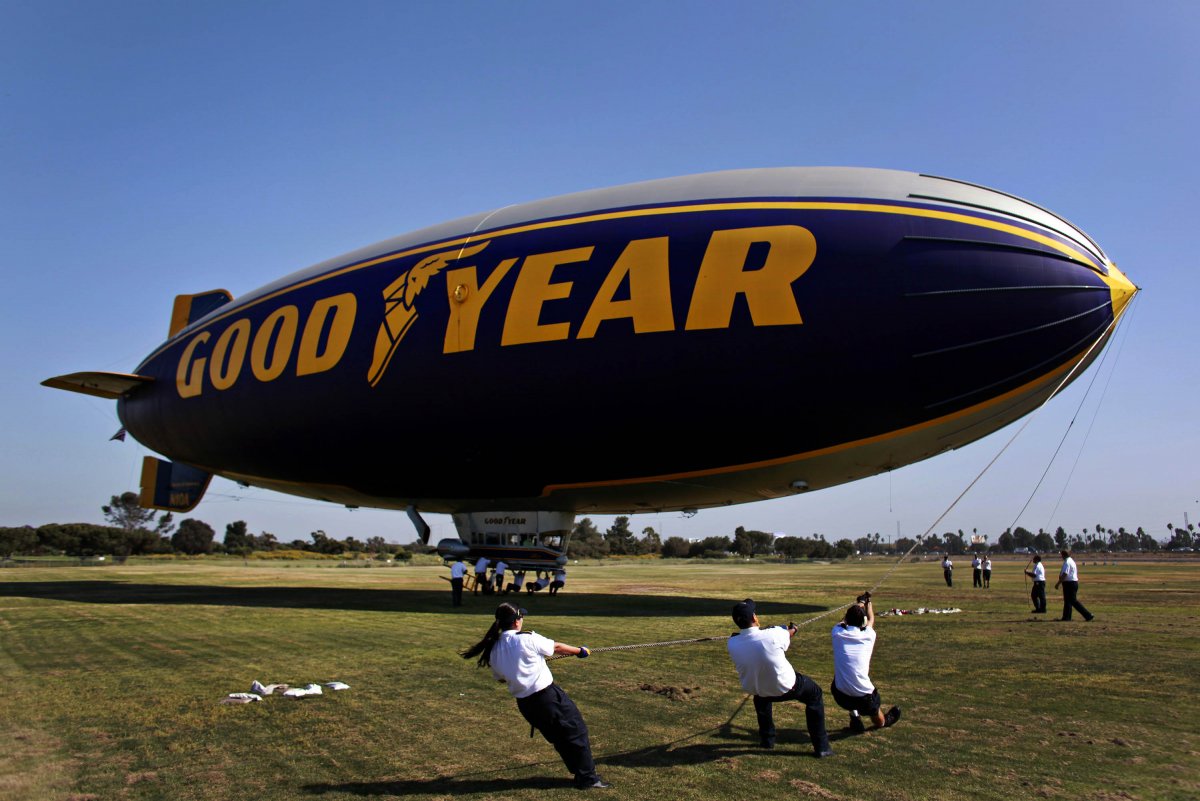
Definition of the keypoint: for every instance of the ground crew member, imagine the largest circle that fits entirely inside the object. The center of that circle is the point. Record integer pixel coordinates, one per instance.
(758, 655)
(1068, 579)
(457, 571)
(518, 658)
(853, 644)
(481, 575)
(976, 571)
(948, 571)
(1038, 593)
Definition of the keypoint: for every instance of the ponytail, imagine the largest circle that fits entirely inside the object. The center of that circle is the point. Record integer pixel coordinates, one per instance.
(483, 648)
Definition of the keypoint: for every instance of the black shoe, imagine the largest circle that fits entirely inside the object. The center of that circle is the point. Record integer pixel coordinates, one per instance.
(599, 784)
(1090, 618)
(892, 716)
(857, 726)
(766, 745)
(828, 752)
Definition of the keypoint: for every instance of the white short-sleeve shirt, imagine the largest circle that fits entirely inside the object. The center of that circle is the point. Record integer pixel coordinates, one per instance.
(481, 565)
(976, 562)
(758, 655)
(947, 564)
(457, 570)
(1069, 571)
(1039, 572)
(852, 647)
(519, 658)
(987, 564)
(501, 567)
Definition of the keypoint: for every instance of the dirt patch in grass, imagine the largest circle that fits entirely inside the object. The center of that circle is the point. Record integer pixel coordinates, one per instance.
(810, 790)
(674, 693)
(137, 777)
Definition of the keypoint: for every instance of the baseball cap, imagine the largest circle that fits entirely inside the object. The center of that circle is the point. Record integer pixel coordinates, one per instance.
(743, 613)
(507, 614)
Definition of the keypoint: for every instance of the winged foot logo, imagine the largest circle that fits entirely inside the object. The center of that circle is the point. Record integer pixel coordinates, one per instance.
(400, 312)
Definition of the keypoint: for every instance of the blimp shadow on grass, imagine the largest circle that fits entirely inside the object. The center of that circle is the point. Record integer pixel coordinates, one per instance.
(676, 344)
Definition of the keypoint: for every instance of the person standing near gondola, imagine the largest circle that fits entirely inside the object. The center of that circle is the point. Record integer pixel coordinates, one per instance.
(458, 571)
(518, 658)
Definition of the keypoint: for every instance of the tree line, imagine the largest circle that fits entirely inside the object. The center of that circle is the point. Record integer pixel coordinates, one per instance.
(588, 542)
(134, 531)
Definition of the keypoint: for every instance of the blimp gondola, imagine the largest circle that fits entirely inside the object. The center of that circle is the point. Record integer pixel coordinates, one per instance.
(675, 344)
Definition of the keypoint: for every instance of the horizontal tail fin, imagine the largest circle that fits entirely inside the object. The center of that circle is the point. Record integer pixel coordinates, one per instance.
(172, 486)
(100, 384)
(190, 308)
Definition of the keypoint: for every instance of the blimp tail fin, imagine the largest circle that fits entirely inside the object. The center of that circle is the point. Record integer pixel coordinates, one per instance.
(172, 486)
(99, 384)
(190, 308)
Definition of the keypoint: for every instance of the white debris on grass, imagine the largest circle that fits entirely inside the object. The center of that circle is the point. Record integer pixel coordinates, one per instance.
(258, 690)
(266, 689)
(921, 611)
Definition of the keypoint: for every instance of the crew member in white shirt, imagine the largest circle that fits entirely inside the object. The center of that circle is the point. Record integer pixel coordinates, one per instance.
(977, 571)
(948, 571)
(481, 575)
(518, 658)
(765, 673)
(987, 572)
(853, 645)
(457, 571)
(1068, 579)
(498, 575)
(1038, 593)
(517, 582)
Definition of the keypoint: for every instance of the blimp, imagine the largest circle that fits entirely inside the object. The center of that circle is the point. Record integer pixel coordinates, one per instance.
(675, 344)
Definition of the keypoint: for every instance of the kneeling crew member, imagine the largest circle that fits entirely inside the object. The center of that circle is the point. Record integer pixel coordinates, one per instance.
(519, 658)
(853, 644)
(758, 655)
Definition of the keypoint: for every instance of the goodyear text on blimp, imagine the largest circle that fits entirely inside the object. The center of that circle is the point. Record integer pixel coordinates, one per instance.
(722, 277)
(325, 328)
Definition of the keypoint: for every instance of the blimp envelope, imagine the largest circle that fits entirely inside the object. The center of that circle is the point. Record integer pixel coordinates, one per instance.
(680, 343)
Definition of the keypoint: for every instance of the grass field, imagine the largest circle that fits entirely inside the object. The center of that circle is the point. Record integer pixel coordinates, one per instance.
(112, 679)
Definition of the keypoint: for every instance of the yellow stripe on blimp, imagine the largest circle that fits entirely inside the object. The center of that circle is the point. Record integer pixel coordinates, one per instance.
(782, 205)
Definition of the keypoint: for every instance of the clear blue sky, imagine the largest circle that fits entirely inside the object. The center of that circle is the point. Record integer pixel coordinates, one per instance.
(151, 149)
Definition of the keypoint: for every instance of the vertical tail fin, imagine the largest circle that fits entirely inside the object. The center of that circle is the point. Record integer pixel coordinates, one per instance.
(172, 486)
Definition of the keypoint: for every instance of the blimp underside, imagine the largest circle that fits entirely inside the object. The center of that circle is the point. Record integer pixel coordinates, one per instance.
(682, 343)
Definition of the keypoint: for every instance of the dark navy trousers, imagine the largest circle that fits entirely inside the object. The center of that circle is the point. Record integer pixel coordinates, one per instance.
(1038, 595)
(1070, 601)
(552, 712)
(806, 692)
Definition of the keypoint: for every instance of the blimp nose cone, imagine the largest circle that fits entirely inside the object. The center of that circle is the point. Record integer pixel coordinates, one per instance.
(1121, 289)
